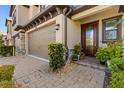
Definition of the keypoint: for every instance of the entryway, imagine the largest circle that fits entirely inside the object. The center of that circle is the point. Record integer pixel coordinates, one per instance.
(92, 62)
(89, 38)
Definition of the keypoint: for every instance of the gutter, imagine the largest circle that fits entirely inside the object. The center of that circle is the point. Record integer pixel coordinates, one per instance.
(66, 34)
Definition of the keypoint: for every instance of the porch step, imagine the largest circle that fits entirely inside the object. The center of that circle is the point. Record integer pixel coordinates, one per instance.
(99, 67)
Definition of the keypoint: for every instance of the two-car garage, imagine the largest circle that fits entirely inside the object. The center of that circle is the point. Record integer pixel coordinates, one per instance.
(38, 41)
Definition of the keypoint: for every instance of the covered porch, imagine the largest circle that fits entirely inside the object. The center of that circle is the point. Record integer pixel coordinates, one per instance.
(92, 28)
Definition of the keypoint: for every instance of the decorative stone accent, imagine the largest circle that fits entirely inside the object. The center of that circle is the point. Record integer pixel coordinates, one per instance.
(70, 52)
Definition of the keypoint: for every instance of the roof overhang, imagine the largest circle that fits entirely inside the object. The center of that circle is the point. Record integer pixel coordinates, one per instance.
(11, 9)
(81, 8)
(8, 19)
(18, 27)
(90, 11)
(50, 8)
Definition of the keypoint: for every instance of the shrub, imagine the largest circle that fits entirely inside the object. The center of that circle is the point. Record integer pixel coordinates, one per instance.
(7, 51)
(102, 54)
(117, 68)
(6, 72)
(117, 64)
(115, 52)
(56, 54)
(115, 49)
(1, 40)
(77, 49)
(108, 53)
(77, 52)
(7, 84)
(118, 79)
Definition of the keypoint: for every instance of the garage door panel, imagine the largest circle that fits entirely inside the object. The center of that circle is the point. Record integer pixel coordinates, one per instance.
(39, 40)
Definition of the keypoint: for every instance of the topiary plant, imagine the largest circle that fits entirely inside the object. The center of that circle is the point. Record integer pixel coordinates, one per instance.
(56, 54)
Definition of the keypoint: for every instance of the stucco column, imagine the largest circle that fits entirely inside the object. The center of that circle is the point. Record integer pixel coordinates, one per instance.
(22, 42)
(13, 41)
(60, 33)
(31, 11)
(26, 43)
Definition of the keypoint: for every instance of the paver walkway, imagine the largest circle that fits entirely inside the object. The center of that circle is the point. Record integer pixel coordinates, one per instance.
(34, 73)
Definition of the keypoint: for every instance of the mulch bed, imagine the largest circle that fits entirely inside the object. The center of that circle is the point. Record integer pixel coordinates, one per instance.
(107, 79)
(65, 70)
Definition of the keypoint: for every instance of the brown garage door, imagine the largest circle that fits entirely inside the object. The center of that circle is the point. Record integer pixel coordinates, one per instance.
(39, 40)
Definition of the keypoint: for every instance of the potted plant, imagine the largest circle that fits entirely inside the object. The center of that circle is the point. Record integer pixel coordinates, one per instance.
(77, 52)
(102, 55)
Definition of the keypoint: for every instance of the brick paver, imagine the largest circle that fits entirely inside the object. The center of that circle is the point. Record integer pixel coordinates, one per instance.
(31, 72)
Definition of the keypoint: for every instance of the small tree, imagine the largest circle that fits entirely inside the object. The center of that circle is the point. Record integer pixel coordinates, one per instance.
(1, 40)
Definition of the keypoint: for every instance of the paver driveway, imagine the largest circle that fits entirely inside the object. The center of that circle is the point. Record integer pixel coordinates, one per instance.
(34, 73)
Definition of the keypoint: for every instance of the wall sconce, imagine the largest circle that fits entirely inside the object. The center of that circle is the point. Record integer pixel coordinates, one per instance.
(57, 26)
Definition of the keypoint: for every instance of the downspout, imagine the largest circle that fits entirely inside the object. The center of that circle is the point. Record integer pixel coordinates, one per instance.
(66, 34)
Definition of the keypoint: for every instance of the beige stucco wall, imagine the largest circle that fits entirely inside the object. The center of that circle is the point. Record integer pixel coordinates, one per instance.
(73, 33)
(21, 17)
(9, 29)
(33, 10)
(15, 9)
(17, 43)
(60, 33)
(110, 12)
(23, 14)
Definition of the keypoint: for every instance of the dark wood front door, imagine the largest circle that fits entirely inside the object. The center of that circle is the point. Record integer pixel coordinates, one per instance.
(89, 38)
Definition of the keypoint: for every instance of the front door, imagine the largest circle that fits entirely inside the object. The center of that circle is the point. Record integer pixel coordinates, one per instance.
(89, 37)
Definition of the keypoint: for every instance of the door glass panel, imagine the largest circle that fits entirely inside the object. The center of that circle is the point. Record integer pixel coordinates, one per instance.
(89, 40)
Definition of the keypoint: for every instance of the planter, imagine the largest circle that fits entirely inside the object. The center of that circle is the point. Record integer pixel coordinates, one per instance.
(76, 57)
(108, 64)
(102, 62)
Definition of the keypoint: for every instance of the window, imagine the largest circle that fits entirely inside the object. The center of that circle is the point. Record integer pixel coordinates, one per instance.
(111, 29)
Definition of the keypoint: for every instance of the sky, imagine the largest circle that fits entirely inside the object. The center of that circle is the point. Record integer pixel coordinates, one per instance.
(4, 13)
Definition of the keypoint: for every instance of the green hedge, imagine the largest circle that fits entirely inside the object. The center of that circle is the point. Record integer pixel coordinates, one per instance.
(108, 53)
(118, 79)
(56, 54)
(117, 64)
(117, 69)
(7, 84)
(7, 51)
(6, 72)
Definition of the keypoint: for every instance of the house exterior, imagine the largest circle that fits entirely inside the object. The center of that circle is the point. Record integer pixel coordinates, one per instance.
(35, 26)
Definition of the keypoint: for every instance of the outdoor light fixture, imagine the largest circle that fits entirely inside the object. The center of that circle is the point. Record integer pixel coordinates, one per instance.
(57, 26)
